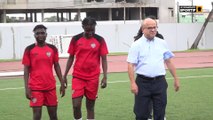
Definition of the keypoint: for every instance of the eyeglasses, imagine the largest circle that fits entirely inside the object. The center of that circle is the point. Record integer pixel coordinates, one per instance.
(42, 33)
(151, 28)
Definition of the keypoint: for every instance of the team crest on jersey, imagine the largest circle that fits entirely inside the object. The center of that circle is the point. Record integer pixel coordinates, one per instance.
(34, 100)
(93, 45)
(48, 54)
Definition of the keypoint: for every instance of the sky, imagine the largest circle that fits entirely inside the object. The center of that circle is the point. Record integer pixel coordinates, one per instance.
(205, 3)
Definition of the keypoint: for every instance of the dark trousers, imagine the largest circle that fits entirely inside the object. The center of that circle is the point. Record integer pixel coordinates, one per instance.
(150, 90)
(150, 110)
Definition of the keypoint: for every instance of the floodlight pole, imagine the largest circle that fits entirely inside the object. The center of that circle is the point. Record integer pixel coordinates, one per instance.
(124, 16)
(192, 14)
(178, 14)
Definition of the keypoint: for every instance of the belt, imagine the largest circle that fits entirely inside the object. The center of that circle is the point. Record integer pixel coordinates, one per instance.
(151, 78)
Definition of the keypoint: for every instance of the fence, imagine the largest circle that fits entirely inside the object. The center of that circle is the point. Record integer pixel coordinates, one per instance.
(118, 35)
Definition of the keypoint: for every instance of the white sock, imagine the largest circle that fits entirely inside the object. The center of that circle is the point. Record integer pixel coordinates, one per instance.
(78, 119)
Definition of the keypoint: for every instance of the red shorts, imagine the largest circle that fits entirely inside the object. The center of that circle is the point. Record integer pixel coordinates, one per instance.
(81, 87)
(46, 98)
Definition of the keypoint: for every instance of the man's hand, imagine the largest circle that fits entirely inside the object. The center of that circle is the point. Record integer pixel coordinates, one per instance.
(28, 93)
(65, 81)
(104, 82)
(63, 86)
(176, 85)
(134, 88)
(62, 90)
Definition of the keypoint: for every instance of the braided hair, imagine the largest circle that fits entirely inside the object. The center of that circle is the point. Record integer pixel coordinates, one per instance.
(89, 21)
(40, 26)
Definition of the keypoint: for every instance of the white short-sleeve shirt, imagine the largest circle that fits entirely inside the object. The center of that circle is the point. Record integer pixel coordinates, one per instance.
(148, 56)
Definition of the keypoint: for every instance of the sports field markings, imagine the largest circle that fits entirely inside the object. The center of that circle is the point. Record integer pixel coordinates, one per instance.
(121, 81)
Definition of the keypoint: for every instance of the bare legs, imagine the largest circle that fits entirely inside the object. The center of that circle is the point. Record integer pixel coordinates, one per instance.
(52, 111)
(90, 104)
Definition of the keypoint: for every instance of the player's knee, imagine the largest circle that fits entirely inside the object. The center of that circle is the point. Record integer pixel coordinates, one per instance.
(76, 107)
(54, 118)
(90, 108)
(36, 117)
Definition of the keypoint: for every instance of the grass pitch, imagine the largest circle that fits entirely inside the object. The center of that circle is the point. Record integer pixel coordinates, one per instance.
(192, 102)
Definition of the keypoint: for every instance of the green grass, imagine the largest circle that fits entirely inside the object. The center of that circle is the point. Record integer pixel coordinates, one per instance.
(192, 102)
(9, 60)
(118, 53)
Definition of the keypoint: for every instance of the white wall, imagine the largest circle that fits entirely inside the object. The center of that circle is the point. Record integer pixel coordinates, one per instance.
(119, 36)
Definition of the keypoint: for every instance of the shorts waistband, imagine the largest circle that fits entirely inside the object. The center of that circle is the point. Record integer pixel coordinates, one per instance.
(151, 78)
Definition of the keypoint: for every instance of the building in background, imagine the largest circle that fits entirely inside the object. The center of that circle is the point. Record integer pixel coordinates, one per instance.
(76, 10)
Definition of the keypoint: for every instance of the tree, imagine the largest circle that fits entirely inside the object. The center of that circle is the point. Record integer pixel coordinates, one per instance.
(197, 40)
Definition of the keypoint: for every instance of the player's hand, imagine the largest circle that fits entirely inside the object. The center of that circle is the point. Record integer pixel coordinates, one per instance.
(28, 93)
(65, 81)
(104, 83)
(62, 90)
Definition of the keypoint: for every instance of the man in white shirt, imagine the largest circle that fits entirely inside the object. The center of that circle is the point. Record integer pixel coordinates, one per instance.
(146, 58)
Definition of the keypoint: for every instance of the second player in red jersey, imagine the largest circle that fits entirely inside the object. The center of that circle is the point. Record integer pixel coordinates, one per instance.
(88, 50)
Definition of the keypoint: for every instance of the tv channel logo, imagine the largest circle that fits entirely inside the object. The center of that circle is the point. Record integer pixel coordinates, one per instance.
(191, 9)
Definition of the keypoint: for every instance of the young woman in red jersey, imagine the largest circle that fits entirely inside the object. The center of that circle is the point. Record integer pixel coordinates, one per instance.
(89, 50)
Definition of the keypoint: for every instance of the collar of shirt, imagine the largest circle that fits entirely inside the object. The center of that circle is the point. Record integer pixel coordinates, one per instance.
(144, 38)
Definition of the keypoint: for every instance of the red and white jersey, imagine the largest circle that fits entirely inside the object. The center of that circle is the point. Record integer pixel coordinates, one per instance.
(87, 55)
(41, 60)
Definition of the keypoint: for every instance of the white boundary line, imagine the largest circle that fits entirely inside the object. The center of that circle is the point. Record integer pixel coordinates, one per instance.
(11, 74)
(11, 88)
(120, 81)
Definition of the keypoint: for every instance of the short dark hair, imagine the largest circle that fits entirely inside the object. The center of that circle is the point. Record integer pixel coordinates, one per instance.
(40, 26)
(89, 21)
